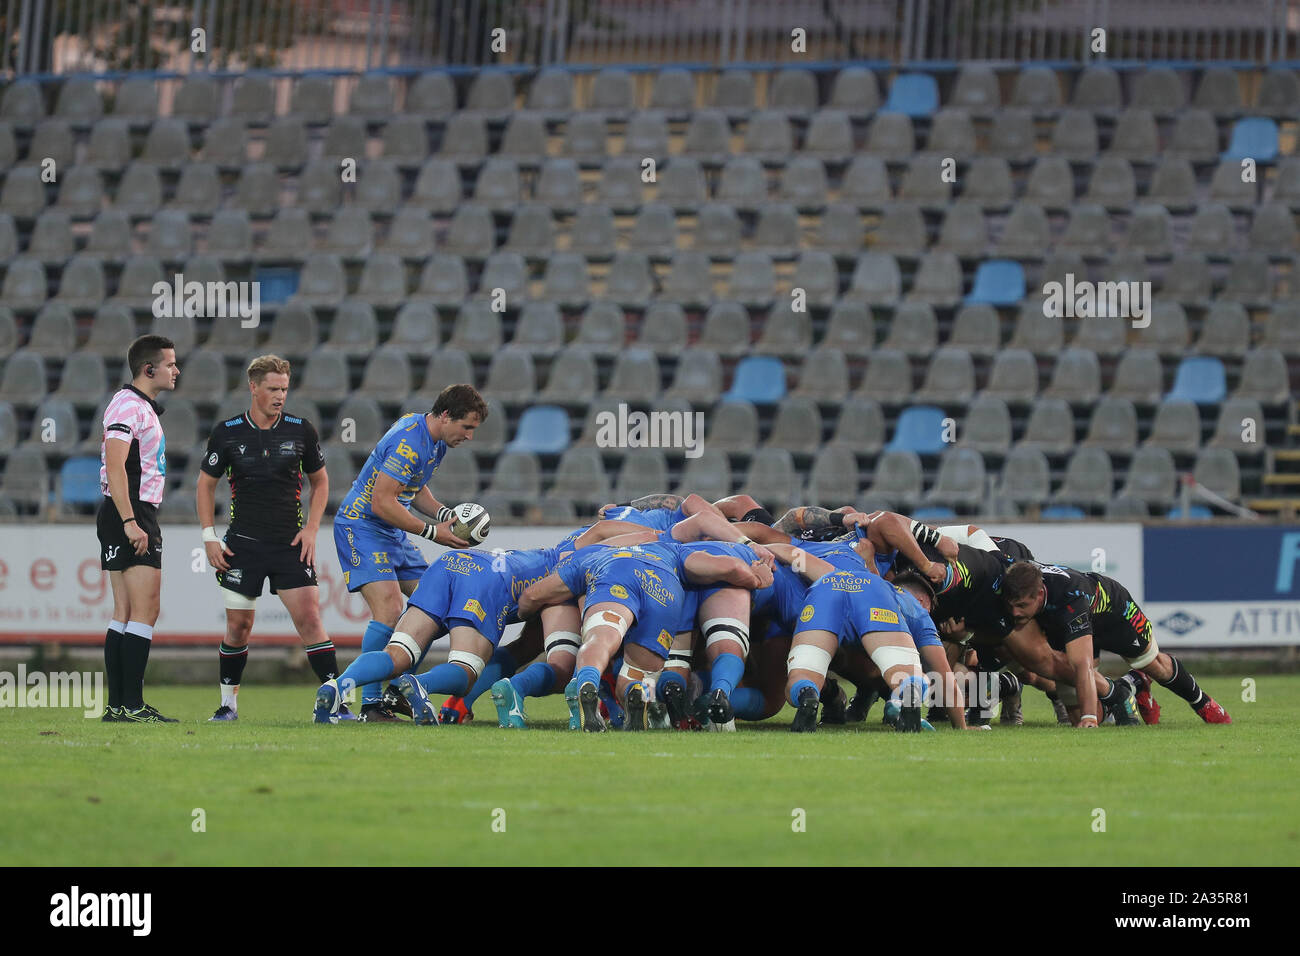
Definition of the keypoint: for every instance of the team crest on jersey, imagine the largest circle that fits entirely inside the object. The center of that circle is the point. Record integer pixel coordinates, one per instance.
(212, 459)
(288, 447)
(884, 616)
(665, 639)
(807, 614)
(618, 591)
(475, 608)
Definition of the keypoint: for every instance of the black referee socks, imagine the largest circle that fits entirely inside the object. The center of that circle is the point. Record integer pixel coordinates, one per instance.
(113, 664)
(135, 657)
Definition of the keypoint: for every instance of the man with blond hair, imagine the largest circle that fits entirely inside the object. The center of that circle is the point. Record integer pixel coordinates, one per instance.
(264, 453)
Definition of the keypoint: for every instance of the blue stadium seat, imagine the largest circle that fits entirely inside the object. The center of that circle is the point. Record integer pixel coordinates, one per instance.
(1063, 513)
(998, 282)
(759, 379)
(920, 429)
(1254, 137)
(1193, 511)
(542, 430)
(79, 482)
(915, 94)
(933, 513)
(1201, 380)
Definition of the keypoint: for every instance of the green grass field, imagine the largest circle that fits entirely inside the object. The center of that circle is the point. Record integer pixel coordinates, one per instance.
(276, 789)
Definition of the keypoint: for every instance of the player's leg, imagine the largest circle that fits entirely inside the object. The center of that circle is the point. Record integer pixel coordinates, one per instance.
(806, 666)
(468, 656)
(1169, 672)
(113, 645)
(639, 669)
(949, 691)
(765, 697)
(233, 653)
(303, 605)
(560, 625)
(501, 665)
(604, 626)
(724, 617)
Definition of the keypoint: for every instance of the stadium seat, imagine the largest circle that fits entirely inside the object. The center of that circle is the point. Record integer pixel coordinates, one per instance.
(581, 477)
(1089, 479)
(601, 330)
(865, 183)
(707, 139)
(1135, 136)
(8, 237)
(1011, 136)
(629, 282)
(655, 230)
(1187, 279)
(998, 282)
(51, 238)
(8, 428)
(1025, 233)
(891, 137)
(477, 329)
(850, 330)
(938, 280)
(54, 427)
(920, 428)
(964, 231)
(961, 480)
(1201, 380)
(842, 232)
(1195, 136)
(912, 94)
(1173, 184)
(406, 142)
(51, 140)
(294, 333)
(698, 378)
(1013, 377)
(924, 183)
(949, 380)
(1228, 188)
(451, 366)
(1097, 90)
(387, 375)
(558, 186)
(1077, 377)
(1151, 478)
(708, 475)
(1113, 426)
(976, 89)
(793, 90)
(888, 377)
(586, 139)
(54, 332)
(512, 376)
(759, 379)
(896, 481)
(1218, 92)
(1148, 232)
(325, 377)
(797, 426)
(1050, 427)
(876, 280)
(1176, 427)
(592, 233)
(1225, 331)
(717, 228)
(752, 280)
(646, 135)
(663, 328)
(689, 280)
(1264, 377)
(22, 104)
(1025, 477)
(824, 376)
(443, 281)
(572, 379)
(25, 284)
(170, 236)
(410, 235)
(861, 426)
(1253, 137)
(1281, 328)
(437, 186)
(644, 472)
(768, 135)
(987, 426)
(772, 479)
(542, 430)
(1239, 427)
(26, 479)
(976, 330)
(635, 377)
(1248, 281)
(1037, 332)
(834, 476)
(1108, 336)
(1273, 230)
(786, 333)
(1279, 91)
(504, 273)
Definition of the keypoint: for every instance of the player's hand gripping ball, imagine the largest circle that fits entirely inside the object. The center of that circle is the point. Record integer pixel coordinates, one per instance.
(471, 523)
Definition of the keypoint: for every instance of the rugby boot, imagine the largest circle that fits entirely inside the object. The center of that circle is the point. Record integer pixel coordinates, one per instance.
(1145, 700)
(454, 711)
(679, 715)
(571, 699)
(224, 713)
(421, 705)
(721, 716)
(377, 712)
(805, 715)
(1212, 713)
(112, 715)
(1011, 712)
(396, 702)
(589, 709)
(146, 715)
(634, 707)
(509, 705)
(860, 705)
(327, 703)
(835, 704)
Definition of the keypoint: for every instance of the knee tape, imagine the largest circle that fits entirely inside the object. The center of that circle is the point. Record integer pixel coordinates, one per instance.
(408, 644)
(1145, 658)
(238, 602)
(890, 656)
(605, 619)
(634, 674)
(472, 661)
(727, 629)
(808, 657)
(566, 642)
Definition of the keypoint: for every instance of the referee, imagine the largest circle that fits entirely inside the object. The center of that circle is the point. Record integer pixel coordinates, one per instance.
(132, 472)
(262, 452)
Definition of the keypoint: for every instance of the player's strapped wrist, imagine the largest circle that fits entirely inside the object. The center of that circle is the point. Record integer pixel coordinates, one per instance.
(430, 531)
(210, 535)
(444, 514)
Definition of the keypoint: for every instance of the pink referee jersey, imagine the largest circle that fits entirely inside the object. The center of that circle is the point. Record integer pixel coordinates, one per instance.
(133, 417)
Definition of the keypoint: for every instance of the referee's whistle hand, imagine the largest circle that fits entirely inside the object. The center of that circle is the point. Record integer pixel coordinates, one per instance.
(138, 537)
(217, 552)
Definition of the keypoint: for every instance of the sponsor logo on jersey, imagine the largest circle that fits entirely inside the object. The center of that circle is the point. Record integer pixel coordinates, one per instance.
(212, 459)
(653, 589)
(884, 616)
(807, 614)
(288, 448)
(379, 557)
(235, 576)
(461, 563)
(844, 581)
(475, 608)
(618, 591)
(665, 639)
(111, 553)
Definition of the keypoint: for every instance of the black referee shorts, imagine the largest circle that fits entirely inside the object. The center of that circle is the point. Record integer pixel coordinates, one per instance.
(115, 550)
(254, 561)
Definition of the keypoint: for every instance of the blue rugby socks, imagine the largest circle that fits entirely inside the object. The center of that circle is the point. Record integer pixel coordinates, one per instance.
(374, 639)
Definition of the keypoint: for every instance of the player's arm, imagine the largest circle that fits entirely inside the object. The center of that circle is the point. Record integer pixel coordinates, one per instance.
(807, 566)
(763, 534)
(652, 502)
(629, 540)
(604, 529)
(804, 518)
(1079, 654)
(205, 502)
(384, 504)
(702, 569)
(693, 504)
(306, 536)
(426, 503)
(549, 590)
(117, 447)
(889, 531)
(711, 526)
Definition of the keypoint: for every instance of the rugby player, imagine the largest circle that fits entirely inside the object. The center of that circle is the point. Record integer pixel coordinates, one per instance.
(1083, 612)
(374, 517)
(132, 475)
(471, 596)
(265, 453)
(634, 597)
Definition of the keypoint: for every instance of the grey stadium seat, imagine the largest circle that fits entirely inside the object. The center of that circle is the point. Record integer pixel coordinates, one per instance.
(1225, 331)
(1217, 470)
(961, 479)
(113, 324)
(949, 380)
(797, 426)
(709, 476)
(438, 186)
(976, 329)
(25, 284)
(786, 332)
(540, 329)
(834, 476)
(1113, 426)
(51, 239)
(1176, 427)
(772, 479)
(322, 280)
(602, 330)
(1025, 477)
(580, 477)
(850, 330)
(698, 378)
(1089, 479)
(733, 427)
(325, 377)
(1151, 477)
(26, 479)
(663, 328)
(888, 377)
(842, 232)
(566, 281)
(1013, 377)
(1097, 90)
(861, 426)
(1077, 377)
(444, 280)
(876, 280)
(1050, 428)
(203, 378)
(1239, 427)
(635, 376)
(1264, 377)
(294, 333)
(1038, 333)
(572, 379)
(512, 376)
(387, 376)
(644, 472)
(24, 382)
(477, 329)
(987, 427)
(517, 478)
(415, 329)
(824, 376)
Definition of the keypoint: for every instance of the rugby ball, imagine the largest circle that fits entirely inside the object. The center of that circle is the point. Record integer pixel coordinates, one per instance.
(471, 523)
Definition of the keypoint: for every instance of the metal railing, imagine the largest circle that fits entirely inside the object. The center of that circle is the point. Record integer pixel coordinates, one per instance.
(41, 37)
